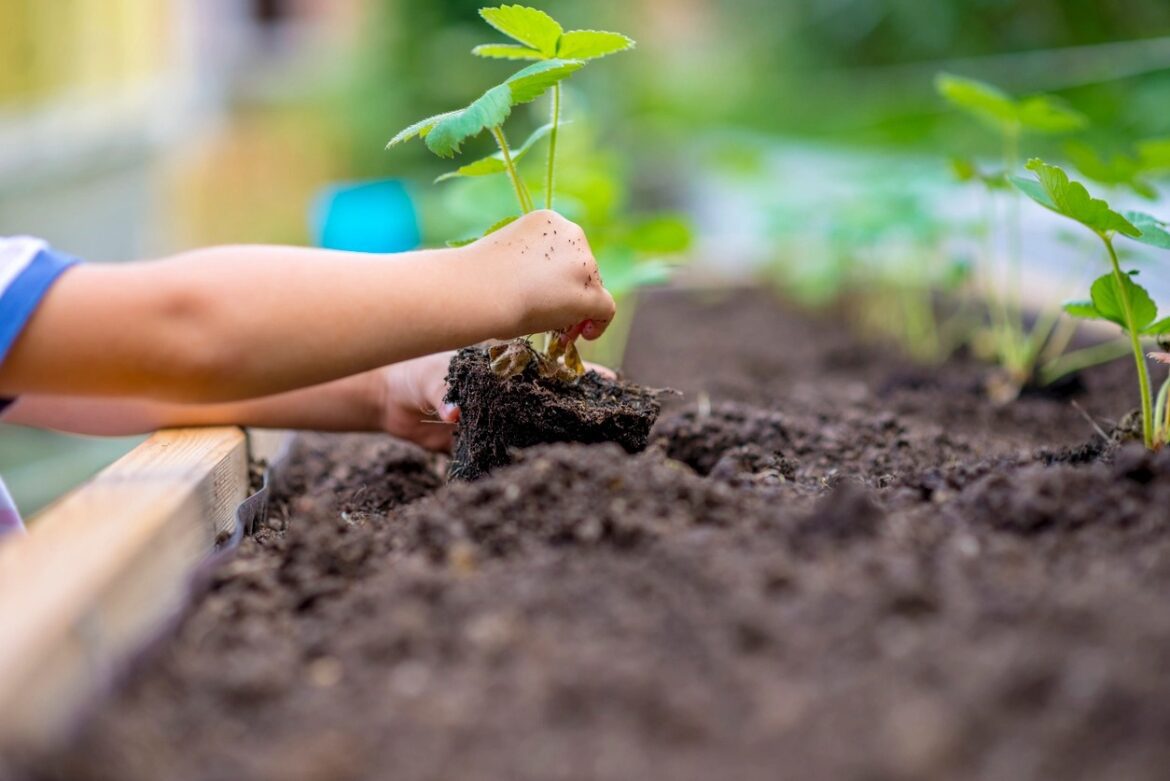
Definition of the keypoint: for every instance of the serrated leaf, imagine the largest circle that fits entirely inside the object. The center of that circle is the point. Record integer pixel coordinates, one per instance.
(966, 170)
(1107, 301)
(1154, 155)
(487, 111)
(529, 26)
(420, 128)
(494, 227)
(1158, 328)
(1117, 170)
(507, 51)
(532, 82)
(1053, 190)
(978, 98)
(591, 44)
(1046, 114)
(1038, 113)
(1154, 232)
(494, 164)
(1082, 309)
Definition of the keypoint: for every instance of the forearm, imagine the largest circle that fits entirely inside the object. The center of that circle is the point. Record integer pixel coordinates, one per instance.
(242, 322)
(350, 404)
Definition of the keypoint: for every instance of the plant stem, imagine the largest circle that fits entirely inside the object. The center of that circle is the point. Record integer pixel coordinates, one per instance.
(521, 192)
(1161, 411)
(1012, 305)
(1135, 344)
(552, 145)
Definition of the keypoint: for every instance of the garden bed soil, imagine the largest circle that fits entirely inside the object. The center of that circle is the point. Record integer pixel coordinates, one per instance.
(498, 415)
(828, 564)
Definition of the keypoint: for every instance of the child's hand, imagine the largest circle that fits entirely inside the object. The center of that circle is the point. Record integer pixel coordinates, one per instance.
(557, 275)
(411, 404)
(411, 401)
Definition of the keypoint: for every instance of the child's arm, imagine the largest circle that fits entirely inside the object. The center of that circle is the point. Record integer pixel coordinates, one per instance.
(244, 322)
(405, 399)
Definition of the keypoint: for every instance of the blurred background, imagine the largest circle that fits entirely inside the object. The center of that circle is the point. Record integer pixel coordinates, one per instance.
(794, 136)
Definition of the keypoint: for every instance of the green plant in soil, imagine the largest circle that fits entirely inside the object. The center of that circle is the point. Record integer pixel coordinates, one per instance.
(893, 247)
(1115, 296)
(1017, 348)
(558, 54)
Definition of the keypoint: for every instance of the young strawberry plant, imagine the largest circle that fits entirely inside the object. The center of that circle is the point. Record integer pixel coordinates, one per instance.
(558, 54)
(1017, 348)
(511, 395)
(1131, 170)
(540, 37)
(1115, 296)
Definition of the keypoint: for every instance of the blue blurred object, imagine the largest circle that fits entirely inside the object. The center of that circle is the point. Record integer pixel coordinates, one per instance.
(372, 216)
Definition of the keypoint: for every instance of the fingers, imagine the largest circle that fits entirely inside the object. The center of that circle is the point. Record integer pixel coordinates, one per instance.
(604, 371)
(595, 326)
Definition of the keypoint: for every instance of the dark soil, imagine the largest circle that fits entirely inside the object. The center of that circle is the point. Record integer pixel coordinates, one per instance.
(828, 565)
(500, 415)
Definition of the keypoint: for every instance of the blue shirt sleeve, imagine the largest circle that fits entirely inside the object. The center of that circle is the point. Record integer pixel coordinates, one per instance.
(28, 268)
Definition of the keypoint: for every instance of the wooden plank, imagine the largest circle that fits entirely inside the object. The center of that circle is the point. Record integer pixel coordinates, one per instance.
(102, 569)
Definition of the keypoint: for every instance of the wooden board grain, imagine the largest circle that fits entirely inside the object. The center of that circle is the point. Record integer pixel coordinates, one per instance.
(102, 569)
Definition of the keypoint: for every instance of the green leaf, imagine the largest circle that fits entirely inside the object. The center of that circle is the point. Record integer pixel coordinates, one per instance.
(664, 234)
(1083, 309)
(1154, 155)
(507, 51)
(1038, 113)
(966, 170)
(623, 273)
(1107, 301)
(531, 82)
(1117, 170)
(591, 44)
(494, 227)
(1154, 232)
(487, 111)
(1053, 190)
(977, 98)
(1158, 328)
(420, 128)
(1046, 114)
(494, 164)
(527, 25)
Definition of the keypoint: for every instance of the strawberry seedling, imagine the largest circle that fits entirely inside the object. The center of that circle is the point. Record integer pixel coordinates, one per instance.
(558, 54)
(1115, 296)
(1016, 348)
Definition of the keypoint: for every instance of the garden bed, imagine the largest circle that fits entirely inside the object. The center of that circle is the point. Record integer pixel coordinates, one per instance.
(829, 564)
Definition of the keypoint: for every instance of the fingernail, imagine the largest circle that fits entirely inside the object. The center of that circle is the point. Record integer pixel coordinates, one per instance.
(448, 412)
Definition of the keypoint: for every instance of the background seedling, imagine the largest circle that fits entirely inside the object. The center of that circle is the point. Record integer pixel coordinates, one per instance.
(1017, 348)
(1115, 296)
